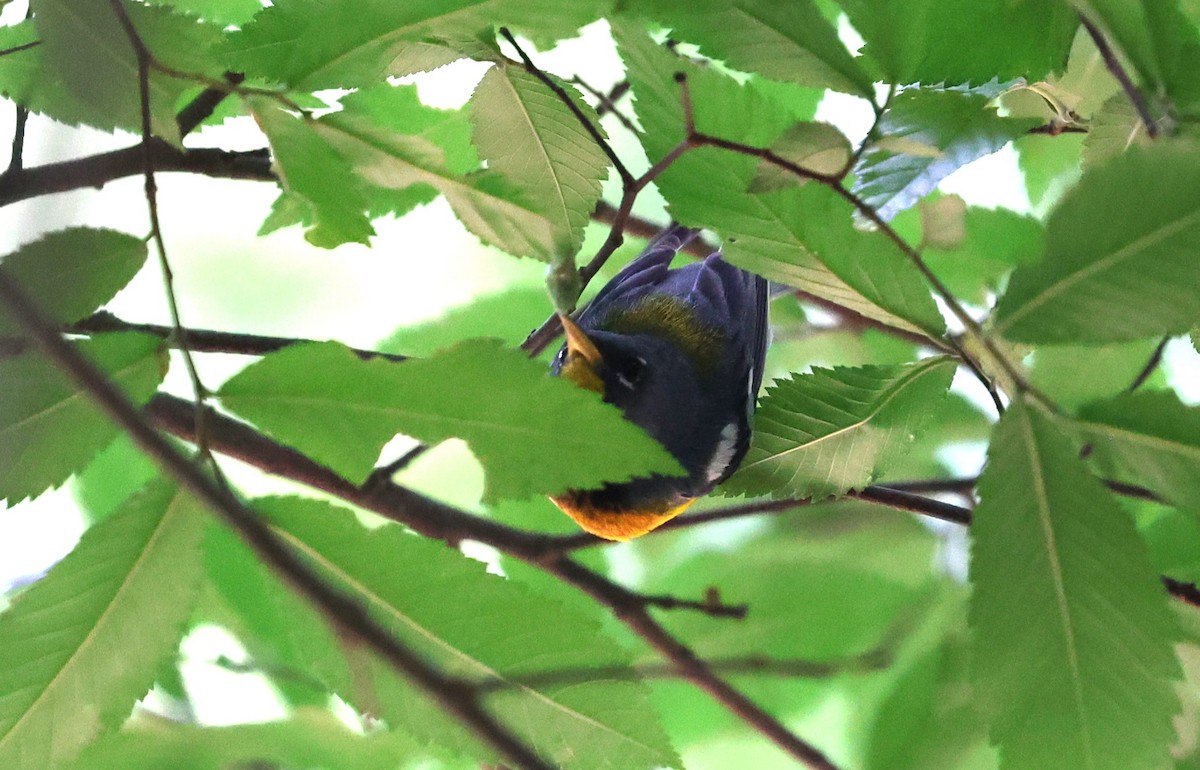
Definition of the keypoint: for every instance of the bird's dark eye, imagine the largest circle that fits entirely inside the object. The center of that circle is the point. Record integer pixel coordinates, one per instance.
(631, 371)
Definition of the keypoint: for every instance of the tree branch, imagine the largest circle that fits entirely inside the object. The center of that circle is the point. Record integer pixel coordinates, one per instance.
(1136, 97)
(209, 340)
(1151, 365)
(442, 522)
(98, 170)
(454, 695)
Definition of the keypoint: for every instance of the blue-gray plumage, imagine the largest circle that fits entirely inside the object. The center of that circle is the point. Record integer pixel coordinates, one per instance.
(681, 352)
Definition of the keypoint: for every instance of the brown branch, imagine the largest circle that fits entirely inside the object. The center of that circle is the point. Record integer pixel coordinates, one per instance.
(606, 103)
(752, 665)
(452, 694)
(100, 169)
(711, 607)
(1185, 592)
(199, 109)
(19, 48)
(199, 392)
(209, 340)
(17, 158)
(442, 522)
(1136, 97)
(684, 660)
(1055, 129)
(1151, 365)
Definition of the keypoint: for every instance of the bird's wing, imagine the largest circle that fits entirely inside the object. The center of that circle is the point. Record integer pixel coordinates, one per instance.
(648, 270)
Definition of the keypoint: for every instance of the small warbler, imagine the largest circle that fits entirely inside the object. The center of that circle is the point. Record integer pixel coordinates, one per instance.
(680, 352)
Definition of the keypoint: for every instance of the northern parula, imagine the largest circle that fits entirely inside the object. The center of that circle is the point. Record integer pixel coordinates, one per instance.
(681, 352)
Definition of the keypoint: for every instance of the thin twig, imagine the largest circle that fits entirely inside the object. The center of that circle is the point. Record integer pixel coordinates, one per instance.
(606, 103)
(684, 660)
(1185, 592)
(1136, 97)
(200, 392)
(712, 608)
(1055, 129)
(383, 474)
(593, 132)
(17, 159)
(206, 102)
(1151, 365)
(752, 665)
(880, 110)
(454, 695)
(19, 48)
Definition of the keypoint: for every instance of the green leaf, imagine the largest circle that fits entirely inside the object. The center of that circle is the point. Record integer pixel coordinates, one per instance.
(111, 477)
(281, 630)
(1147, 438)
(946, 41)
(533, 433)
(1120, 259)
(82, 645)
(822, 434)
(85, 45)
(72, 272)
(1072, 375)
(1171, 536)
(224, 12)
(785, 41)
(487, 204)
(528, 136)
(816, 147)
(310, 738)
(803, 237)
(507, 316)
(1051, 166)
(313, 172)
(961, 126)
(315, 44)
(477, 625)
(994, 242)
(1112, 131)
(1072, 633)
(49, 428)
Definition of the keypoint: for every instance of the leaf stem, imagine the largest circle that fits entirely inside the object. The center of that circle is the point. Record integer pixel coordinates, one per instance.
(1136, 97)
